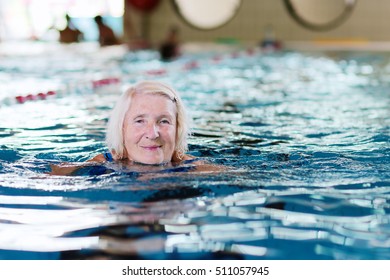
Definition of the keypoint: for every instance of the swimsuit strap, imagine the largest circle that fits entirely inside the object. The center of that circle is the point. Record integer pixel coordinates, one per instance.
(108, 156)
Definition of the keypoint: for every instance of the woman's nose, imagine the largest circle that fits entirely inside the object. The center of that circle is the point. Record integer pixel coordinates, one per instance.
(152, 131)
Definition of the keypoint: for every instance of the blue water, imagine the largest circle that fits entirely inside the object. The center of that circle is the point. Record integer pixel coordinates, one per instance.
(304, 135)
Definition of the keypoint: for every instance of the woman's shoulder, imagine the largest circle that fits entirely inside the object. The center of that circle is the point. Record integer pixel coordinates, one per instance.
(188, 157)
(99, 158)
(199, 163)
(177, 159)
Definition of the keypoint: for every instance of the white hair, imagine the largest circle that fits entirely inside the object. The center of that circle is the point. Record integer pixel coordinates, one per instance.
(114, 135)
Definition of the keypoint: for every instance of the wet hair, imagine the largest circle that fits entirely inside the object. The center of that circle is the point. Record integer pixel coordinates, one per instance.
(114, 135)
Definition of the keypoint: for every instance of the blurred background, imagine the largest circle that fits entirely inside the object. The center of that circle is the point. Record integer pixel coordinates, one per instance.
(40, 19)
(202, 21)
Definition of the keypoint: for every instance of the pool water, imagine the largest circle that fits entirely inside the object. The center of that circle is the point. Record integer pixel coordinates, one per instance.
(304, 137)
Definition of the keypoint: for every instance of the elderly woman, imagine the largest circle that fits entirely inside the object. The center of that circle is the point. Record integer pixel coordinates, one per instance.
(148, 126)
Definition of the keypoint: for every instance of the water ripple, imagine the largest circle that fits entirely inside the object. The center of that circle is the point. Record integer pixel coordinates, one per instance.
(304, 137)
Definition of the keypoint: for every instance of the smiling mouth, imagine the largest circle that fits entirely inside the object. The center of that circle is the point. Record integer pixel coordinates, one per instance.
(151, 148)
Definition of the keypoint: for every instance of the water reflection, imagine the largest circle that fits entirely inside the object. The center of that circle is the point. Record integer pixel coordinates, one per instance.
(304, 137)
(245, 222)
(250, 222)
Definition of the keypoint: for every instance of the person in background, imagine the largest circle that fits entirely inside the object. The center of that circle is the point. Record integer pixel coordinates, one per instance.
(70, 34)
(107, 36)
(169, 49)
(269, 41)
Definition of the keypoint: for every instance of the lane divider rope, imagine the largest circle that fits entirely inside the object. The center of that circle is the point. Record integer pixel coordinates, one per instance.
(104, 82)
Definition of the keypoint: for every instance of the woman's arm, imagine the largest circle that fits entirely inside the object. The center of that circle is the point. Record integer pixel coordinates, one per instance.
(66, 169)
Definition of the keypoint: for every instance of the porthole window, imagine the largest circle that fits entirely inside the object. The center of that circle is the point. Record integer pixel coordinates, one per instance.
(320, 15)
(206, 14)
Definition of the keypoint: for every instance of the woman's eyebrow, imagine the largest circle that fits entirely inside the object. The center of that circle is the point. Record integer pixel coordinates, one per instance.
(164, 115)
(139, 116)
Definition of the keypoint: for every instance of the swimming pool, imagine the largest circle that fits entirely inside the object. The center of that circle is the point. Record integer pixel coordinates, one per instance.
(305, 135)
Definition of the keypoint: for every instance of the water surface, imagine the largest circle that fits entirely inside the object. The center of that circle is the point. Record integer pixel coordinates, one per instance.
(304, 135)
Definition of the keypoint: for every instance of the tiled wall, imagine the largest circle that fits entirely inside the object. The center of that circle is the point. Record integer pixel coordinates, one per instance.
(370, 21)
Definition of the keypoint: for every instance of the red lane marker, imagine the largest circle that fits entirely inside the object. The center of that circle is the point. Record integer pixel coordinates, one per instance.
(20, 99)
(191, 65)
(104, 82)
(41, 95)
(30, 97)
(114, 80)
(156, 72)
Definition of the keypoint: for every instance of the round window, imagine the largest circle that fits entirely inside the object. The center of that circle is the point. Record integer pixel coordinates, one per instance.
(206, 14)
(320, 15)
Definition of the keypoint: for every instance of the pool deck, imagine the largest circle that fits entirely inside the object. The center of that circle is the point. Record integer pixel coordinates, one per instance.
(338, 45)
(314, 45)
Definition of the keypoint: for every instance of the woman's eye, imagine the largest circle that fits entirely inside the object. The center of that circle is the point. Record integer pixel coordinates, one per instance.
(139, 121)
(164, 121)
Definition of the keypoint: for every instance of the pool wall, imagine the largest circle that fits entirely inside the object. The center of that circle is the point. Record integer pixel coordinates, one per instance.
(368, 22)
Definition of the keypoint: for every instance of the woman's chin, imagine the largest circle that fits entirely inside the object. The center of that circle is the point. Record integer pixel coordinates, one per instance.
(151, 161)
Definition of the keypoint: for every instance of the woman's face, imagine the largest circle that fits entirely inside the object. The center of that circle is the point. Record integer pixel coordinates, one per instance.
(149, 129)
